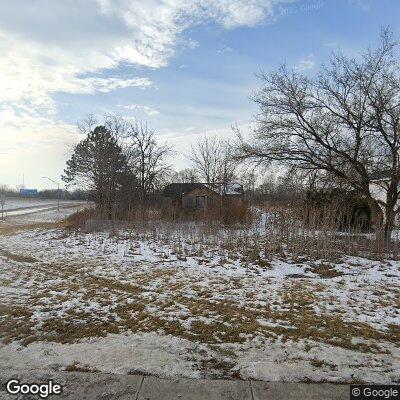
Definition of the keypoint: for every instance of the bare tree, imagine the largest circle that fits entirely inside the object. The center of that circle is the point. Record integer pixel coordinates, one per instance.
(213, 160)
(248, 178)
(87, 124)
(4, 188)
(228, 165)
(147, 157)
(343, 123)
(184, 175)
(117, 125)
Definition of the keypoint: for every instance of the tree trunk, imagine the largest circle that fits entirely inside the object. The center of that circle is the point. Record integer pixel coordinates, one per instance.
(377, 219)
(389, 224)
(390, 214)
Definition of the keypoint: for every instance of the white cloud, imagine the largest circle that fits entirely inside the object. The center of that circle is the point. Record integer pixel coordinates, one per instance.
(33, 145)
(137, 107)
(225, 49)
(305, 63)
(183, 139)
(91, 85)
(49, 46)
(41, 130)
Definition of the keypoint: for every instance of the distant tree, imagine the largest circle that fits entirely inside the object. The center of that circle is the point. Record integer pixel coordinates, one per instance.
(117, 125)
(248, 179)
(206, 158)
(343, 123)
(6, 190)
(213, 160)
(77, 194)
(228, 164)
(146, 157)
(288, 187)
(87, 124)
(184, 175)
(99, 166)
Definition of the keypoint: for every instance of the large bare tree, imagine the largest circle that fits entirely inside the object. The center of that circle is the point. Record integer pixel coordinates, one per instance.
(343, 123)
(213, 160)
(147, 157)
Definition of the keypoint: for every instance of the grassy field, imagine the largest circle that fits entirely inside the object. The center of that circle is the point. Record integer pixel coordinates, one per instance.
(179, 300)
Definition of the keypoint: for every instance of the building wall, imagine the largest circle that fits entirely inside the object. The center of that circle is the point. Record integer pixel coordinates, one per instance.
(198, 198)
(202, 197)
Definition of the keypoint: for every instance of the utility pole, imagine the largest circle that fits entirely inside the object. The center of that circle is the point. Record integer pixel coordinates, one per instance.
(58, 190)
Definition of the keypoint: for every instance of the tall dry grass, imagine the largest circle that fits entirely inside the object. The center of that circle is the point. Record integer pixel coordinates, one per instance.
(324, 234)
(260, 233)
(226, 211)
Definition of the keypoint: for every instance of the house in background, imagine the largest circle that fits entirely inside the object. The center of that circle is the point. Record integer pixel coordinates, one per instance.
(201, 195)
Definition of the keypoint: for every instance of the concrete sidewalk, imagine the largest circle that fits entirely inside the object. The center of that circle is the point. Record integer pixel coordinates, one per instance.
(90, 386)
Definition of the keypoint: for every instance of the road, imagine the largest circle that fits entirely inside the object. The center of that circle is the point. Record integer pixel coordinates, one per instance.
(32, 209)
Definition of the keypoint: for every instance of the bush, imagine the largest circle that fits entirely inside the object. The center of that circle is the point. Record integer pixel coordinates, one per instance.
(340, 209)
(227, 210)
(78, 220)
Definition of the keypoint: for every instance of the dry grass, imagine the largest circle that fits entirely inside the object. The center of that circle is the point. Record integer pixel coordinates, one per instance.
(289, 233)
(228, 211)
(325, 270)
(14, 228)
(16, 323)
(77, 367)
(208, 318)
(79, 219)
(165, 300)
(17, 257)
(304, 233)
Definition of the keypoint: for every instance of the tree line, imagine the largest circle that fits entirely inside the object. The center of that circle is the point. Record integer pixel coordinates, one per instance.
(338, 128)
(123, 164)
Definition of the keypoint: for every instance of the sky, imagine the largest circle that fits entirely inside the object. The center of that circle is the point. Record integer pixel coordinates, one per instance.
(188, 68)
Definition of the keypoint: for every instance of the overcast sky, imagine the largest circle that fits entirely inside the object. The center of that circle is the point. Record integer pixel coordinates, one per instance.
(186, 67)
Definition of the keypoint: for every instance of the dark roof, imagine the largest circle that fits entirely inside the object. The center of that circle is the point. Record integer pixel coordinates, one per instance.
(179, 189)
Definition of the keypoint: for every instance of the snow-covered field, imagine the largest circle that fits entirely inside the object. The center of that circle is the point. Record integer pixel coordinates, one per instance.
(176, 301)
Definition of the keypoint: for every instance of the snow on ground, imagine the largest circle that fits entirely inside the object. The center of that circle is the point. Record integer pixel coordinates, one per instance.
(175, 300)
(47, 215)
(30, 214)
(162, 355)
(12, 203)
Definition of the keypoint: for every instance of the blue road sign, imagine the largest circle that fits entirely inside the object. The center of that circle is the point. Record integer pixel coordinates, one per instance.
(27, 192)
